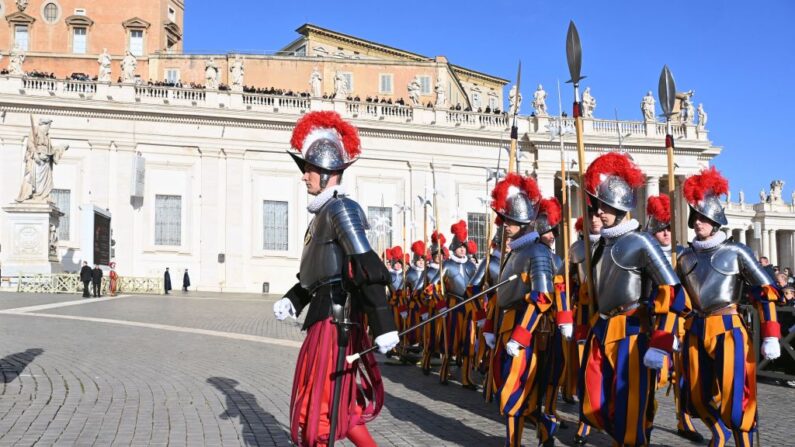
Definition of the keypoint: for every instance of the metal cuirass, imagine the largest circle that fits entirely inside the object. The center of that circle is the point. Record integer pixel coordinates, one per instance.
(714, 277)
(577, 258)
(535, 267)
(395, 281)
(494, 271)
(415, 278)
(623, 264)
(337, 231)
(457, 276)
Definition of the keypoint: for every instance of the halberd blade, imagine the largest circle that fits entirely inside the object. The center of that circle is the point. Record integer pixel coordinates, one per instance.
(573, 53)
(519, 78)
(667, 92)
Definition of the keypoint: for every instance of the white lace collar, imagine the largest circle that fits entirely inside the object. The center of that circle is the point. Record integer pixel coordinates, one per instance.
(712, 242)
(620, 229)
(433, 265)
(326, 195)
(455, 258)
(595, 237)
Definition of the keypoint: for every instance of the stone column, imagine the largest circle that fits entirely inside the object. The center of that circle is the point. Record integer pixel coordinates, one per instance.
(546, 182)
(772, 239)
(652, 186)
(741, 238)
(764, 249)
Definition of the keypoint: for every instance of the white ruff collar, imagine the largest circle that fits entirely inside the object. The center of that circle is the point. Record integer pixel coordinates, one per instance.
(620, 229)
(457, 259)
(595, 237)
(433, 265)
(418, 269)
(326, 195)
(712, 242)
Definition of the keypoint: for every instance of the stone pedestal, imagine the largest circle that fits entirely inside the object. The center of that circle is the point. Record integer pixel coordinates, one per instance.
(30, 239)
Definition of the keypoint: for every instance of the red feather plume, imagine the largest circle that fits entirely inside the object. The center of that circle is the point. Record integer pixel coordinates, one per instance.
(418, 248)
(551, 207)
(659, 207)
(438, 238)
(578, 225)
(388, 254)
(499, 194)
(327, 120)
(397, 253)
(459, 230)
(445, 252)
(613, 163)
(708, 181)
(472, 246)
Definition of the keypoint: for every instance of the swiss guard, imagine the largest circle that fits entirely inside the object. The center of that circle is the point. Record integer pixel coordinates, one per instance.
(718, 356)
(623, 348)
(341, 279)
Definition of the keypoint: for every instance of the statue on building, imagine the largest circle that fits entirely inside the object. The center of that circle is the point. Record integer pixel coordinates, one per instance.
(763, 196)
(316, 83)
(22, 5)
(540, 101)
(441, 94)
(128, 65)
(341, 87)
(686, 110)
(104, 66)
(792, 198)
(742, 197)
(210, 74)
(15, 60)
(647, 106)
(776, 190)
(702, 117)
(515, 100)
(414, 89)
(588, 103)
(40, 157)
(238, 73)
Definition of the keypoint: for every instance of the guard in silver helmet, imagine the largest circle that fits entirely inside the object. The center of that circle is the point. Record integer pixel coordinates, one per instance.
(397, 300)
(526, 310)
(488, 273)
(622, 342)
(658, 224)
(456, 273)
(435, 303)
(416, 279)
(340, 279)
(717, 273)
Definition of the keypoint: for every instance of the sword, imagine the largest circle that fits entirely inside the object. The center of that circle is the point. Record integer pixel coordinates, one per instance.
(667, 93)
(353, 357)
(340, 313)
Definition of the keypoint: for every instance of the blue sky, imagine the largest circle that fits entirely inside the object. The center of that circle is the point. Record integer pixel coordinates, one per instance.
(736, 55)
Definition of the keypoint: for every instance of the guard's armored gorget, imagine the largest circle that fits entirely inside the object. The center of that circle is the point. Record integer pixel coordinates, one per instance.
(415, 278)
(494, 270)
(534, 263)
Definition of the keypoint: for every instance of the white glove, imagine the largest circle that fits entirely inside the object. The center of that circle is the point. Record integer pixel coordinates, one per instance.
(654, 358)
(283, 308)
(566, 330)
(677, 345)
(490, 339)
(404, 315)
(424, 316)
(771, 349)
(513, 348)
(481, 323)
(387, 342)
(443, 309)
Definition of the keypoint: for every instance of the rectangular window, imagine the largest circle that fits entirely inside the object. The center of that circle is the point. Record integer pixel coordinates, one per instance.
(172, 75)
(137, 42)
(477, 224)
(21, 37)
(492, 103)
(380, 233)
(62, 198)
(79, 40)
(425, 84)
(348, 82)
(168, 220)
(274, 225)
(385, 84)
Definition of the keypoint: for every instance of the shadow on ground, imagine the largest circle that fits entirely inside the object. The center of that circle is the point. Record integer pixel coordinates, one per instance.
(257, 425)
(12, 365)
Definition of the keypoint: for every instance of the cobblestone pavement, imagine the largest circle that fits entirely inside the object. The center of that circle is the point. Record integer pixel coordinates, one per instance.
(204, 369)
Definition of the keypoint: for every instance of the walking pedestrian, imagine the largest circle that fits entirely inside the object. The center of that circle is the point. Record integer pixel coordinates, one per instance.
(96, 280)
(85, 276)
(167, 281)
(185, 281)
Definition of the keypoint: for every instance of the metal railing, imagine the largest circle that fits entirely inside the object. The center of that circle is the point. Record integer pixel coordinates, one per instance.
(70, 283)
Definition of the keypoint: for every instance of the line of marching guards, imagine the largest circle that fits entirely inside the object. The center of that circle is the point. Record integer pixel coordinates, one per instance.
(609, 337)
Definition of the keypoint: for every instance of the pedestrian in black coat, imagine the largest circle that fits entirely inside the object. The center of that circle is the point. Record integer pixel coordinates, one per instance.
(96, 280)
(185, 281)
(85, 276)
(167, 281)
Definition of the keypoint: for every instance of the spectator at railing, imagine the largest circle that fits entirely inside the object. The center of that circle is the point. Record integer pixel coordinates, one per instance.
(39, 75)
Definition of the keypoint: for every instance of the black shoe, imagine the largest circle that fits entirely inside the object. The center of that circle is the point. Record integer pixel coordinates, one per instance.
(444, 382)
(426, 371)
(580, 440)
(690, 435)
(471, 386)
(549, 442)
(569, 399)
(563, 425)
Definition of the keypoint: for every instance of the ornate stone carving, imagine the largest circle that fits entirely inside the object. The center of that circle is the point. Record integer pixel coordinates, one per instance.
(104, 66)
(15, 61)
(40, 157)
(53, 246)
(22, 5)
(340, 86)
(588, 103)
(210, 74)
(647, 106)
(414, 89)
(763, 196)
(514, 100)
(540, 101)
(742, 197)
(702, 117)
(238, 73)
(441, 94)
(686, 110)
(776, 188)
(316, 83)
(128, 65)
